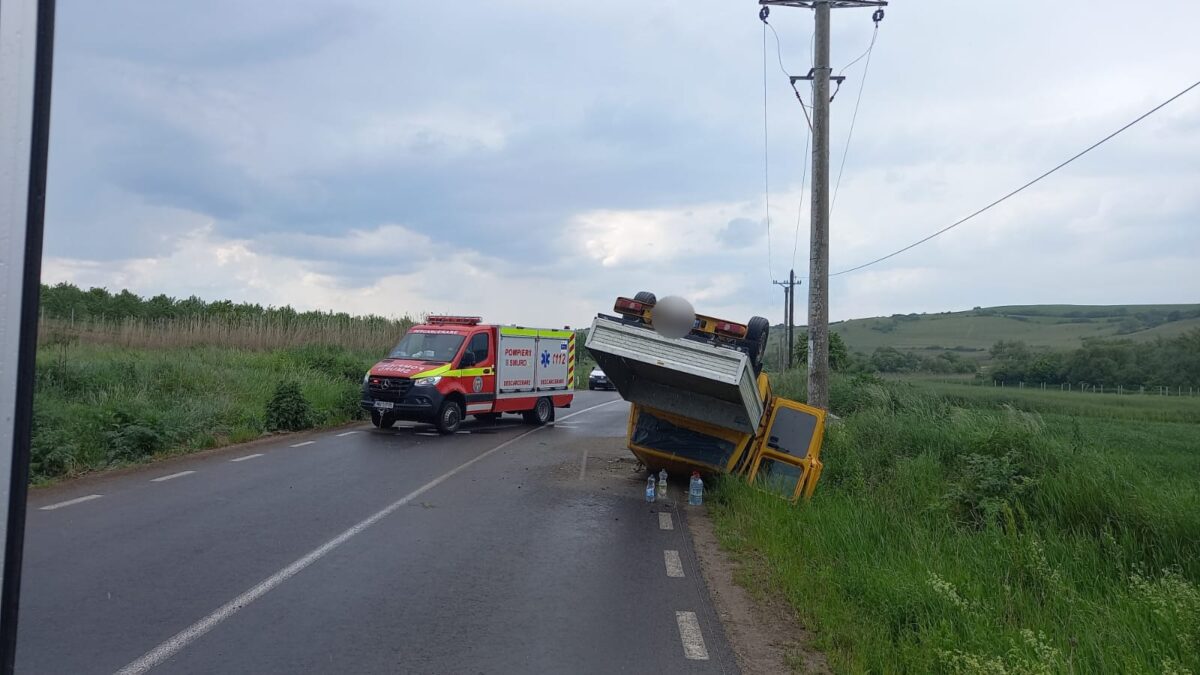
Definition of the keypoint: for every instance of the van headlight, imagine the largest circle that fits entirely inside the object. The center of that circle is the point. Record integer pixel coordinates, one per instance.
(427, 381)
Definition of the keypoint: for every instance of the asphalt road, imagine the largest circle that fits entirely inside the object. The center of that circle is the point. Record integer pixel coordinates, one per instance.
(505, 550)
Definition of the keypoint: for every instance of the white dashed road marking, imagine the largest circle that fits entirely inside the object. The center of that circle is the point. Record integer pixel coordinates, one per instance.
(69, 502)
(346, 433)
(690, 635)
(242, 459)
(674, 564)
(664, 521)
(170, 476)
(301, 445)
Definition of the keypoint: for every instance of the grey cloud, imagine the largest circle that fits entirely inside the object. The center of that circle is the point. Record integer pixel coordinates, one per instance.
(741, 232)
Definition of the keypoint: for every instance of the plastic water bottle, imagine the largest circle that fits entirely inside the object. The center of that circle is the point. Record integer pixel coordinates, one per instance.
(662, 484)
(696, 490)
(650, 489)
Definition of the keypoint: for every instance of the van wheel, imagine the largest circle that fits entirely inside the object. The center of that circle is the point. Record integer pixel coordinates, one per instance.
(542, 413)
(756, 339)
(449, 417)
(382, 421)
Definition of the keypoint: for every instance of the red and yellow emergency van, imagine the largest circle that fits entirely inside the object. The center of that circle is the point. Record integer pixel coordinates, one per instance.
(453, 366)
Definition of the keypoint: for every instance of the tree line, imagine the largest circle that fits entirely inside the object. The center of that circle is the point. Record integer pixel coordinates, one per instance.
(886, 359)
(66, 301)
(1170, 362)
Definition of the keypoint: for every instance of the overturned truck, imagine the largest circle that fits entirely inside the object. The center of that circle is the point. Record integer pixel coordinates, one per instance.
(701, 401)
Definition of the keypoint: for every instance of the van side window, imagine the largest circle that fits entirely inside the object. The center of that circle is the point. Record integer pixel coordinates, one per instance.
(479, 345)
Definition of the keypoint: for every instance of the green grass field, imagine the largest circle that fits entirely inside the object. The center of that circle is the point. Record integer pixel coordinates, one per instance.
(102, 406)
(962, 529)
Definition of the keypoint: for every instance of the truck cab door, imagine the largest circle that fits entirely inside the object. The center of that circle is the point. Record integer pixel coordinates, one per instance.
(786, 457)
(479, 379)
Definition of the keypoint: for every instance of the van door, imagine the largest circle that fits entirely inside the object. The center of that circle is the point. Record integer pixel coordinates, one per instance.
(479, 379)
(786, 458)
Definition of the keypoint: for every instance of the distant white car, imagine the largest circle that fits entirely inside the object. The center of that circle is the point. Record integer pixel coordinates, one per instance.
(598, 380)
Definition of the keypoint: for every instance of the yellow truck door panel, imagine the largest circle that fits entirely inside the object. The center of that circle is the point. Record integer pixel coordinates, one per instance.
(786, 457)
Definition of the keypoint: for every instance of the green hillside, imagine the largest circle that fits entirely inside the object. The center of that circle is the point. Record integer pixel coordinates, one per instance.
(973, 332)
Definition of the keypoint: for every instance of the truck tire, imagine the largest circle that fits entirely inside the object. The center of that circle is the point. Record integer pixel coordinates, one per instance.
(757, 330)
(382, 421)
(449, 417)
(646, 297)
(542, 413)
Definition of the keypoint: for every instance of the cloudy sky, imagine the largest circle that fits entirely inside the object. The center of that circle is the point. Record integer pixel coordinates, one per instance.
(529, 160)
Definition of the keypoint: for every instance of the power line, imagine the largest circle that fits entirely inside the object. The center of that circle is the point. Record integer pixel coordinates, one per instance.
(807, 138)
(778, 49)
(800, 207)
(853, 118)
(767, 155)
(1091, 147)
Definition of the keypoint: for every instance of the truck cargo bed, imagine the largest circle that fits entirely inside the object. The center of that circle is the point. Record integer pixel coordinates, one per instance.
(689, 378)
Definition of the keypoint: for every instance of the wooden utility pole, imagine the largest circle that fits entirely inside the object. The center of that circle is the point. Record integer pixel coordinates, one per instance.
(818, 260)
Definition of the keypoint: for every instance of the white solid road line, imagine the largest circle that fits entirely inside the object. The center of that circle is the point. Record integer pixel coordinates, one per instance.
(664, 521)
(346, 433)
(69, 502)
(193, 632)
(690, 635)
(301, 445)
(674, 564)
(170, 476)
(242, 459)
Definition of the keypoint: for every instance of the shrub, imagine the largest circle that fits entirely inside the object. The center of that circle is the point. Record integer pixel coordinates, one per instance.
(288, 410)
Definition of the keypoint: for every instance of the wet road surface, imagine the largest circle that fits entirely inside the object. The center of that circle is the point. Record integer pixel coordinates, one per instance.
(503, 550)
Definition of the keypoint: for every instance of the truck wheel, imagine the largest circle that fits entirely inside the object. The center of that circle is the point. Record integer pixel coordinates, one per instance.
(646, 297)
(542, 413)
(756, 339)
(449, 417)
(382, 421)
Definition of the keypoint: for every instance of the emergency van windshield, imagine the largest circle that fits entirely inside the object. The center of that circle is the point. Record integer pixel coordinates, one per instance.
(422, 346)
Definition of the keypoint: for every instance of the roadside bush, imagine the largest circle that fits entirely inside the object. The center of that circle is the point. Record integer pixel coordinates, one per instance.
(986, 487)
(288, 410)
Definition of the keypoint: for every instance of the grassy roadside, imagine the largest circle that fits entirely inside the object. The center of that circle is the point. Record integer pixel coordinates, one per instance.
(101, 406)
(963, 532)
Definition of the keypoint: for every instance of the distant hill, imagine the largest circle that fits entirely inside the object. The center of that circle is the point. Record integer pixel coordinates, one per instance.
(973, 332)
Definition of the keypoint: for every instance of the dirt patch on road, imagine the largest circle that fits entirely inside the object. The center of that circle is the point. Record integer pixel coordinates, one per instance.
(765, 632)
(600, 463)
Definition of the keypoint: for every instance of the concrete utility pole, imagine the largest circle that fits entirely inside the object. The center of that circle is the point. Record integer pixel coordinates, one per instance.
(818, 265)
